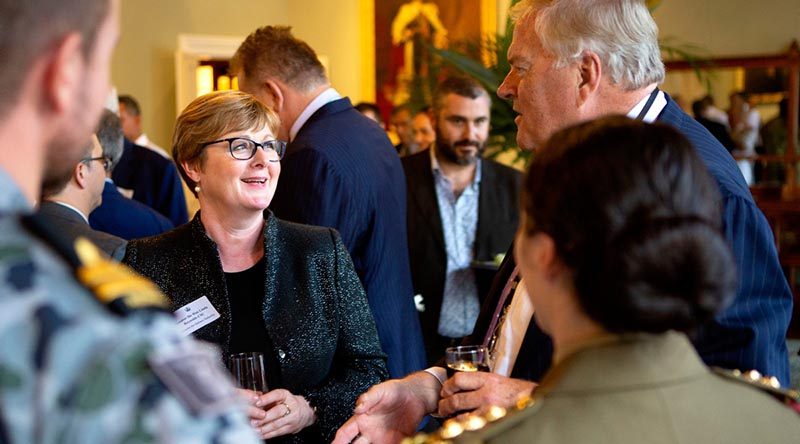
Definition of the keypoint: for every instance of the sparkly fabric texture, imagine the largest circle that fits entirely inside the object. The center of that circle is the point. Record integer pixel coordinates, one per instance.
(315, 311)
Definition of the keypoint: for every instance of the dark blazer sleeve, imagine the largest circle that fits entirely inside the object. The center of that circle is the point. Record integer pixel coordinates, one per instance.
(359, 362)
(751, 332)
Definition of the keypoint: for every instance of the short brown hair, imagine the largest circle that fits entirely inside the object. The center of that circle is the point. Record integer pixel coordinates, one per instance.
(459, 85)
(273, 52)
(28, 28)
(211, 116)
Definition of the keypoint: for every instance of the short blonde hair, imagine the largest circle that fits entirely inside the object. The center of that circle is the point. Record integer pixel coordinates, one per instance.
(211, 116)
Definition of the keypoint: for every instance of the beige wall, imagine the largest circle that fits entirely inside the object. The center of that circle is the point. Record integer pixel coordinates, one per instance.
(333, 29)
(144, 63)
(731, 27)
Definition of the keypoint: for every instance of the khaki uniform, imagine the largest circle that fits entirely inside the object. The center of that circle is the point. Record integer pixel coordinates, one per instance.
(640, 389)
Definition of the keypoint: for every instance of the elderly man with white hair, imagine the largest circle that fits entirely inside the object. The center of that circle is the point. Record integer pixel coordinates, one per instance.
(571, 61)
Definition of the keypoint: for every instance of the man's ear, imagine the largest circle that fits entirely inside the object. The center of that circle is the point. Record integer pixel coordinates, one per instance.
(81, 174)
(590, 71)
(63, 72)
(275, 91)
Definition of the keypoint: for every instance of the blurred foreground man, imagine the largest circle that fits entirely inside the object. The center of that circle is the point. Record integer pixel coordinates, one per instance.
(79, 363)
(576, 60)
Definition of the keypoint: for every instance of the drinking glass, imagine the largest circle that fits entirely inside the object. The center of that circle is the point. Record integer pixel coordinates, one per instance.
(249, 371)
(466, 358)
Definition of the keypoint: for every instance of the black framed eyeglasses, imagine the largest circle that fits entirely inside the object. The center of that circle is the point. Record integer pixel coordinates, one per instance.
(106, 162)
(242, 148)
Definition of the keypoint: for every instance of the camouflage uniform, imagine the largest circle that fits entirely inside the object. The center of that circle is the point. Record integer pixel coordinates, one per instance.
(71, 371)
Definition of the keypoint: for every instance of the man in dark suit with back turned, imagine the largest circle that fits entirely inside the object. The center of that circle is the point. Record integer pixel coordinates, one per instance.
(462, 209)
(575, 60)
(340, 171)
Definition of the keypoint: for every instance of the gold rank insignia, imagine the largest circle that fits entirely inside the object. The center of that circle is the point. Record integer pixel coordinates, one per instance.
(475, 428)
(769, 384)
(114, 284)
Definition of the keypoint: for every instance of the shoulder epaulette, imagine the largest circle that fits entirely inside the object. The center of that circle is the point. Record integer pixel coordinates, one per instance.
(769, 384)
(476, 428)
(114, 285)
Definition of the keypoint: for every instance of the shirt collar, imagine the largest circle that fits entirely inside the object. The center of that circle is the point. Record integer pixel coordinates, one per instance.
(437, 170)
(142, 140)
(12, 200)
(325, 97)
(655, 109)
(71, 208)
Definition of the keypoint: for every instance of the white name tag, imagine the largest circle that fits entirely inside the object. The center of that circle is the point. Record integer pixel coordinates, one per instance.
(196, 315)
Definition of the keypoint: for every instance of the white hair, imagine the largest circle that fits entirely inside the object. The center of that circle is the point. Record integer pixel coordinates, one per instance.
(621, 32)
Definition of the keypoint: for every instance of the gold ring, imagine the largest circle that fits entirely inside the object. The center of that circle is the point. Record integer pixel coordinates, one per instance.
(288, 410)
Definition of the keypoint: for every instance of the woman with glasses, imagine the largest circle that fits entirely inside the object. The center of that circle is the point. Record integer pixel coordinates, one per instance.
(283, 289)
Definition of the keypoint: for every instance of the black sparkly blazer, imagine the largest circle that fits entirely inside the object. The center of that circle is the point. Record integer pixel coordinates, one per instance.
(315, 310)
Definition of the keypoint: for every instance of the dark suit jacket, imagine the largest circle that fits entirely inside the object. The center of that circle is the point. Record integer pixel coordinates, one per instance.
(323, 337)
(341, 171)
(72, 225)
(498, 217)
(154, 180)
(751, 332)
(126, 218)
(719, 131)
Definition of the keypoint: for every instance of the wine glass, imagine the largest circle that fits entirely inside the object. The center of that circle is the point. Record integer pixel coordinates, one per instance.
(249, 371)
(466, 358)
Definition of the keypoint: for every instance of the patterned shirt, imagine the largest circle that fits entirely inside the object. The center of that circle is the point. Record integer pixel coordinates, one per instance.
(459, 214)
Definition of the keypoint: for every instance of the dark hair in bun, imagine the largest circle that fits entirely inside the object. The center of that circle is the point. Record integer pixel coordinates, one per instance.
(636, 217)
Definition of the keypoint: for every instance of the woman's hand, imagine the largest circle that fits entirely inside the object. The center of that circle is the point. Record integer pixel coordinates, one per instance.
(279, 413)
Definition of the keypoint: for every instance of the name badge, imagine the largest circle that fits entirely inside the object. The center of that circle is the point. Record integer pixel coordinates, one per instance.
(196, 315)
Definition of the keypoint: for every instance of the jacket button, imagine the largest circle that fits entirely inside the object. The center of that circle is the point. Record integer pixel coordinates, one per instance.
(281, 354)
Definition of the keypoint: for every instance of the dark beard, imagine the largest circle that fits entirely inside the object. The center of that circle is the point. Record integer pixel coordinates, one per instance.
(448, 151)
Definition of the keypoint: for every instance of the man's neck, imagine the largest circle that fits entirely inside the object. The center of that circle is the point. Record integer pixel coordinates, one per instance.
(614, 100)
(294, 104)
